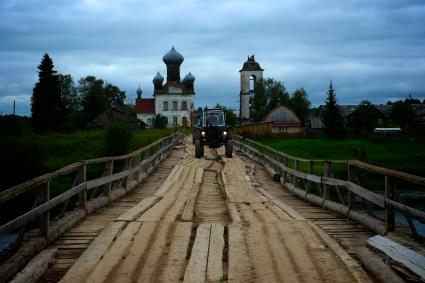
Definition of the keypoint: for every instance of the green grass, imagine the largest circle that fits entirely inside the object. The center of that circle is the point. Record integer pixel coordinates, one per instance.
(39, 154)
(403, 154)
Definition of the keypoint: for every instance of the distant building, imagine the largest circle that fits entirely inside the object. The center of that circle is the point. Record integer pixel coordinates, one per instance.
(383, 111)
(251, 73)
(284, 121)
(174, 99)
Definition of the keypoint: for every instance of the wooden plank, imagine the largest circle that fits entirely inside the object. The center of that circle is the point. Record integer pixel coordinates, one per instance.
(364, 193)
(233, 212)
(138, 209)
(198, 175)
(375, 265)
(286, 208)
(88, 260)
(399, 255)
(36, 267)
(107, 179)
(240, 266)
(188, 210)
(114, 254)
(177, 254)
(215, 254)
(174, 175)
(197, 266)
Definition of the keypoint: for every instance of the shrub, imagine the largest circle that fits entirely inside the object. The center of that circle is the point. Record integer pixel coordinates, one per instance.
(160, 122)
(118, 137)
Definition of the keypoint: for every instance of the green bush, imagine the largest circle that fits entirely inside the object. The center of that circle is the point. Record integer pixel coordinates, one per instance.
(160, 122)
(119, 135)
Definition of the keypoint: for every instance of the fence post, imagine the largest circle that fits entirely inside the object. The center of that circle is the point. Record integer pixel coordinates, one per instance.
(389, 211)
(310, 172)
(109, 171)
(297, 168)
(82, 196)
(45, 217)
(328, 170)
(351, 196)
(128, 165)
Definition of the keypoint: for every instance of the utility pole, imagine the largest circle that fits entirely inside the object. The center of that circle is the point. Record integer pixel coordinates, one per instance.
(14, 108)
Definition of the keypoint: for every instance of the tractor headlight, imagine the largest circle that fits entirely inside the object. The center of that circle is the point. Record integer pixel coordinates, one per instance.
(225, 133)
(203, 133)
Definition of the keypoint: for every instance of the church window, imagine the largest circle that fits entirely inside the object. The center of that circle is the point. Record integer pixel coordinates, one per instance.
(191, 106)
(174, 105)
(174, 120)
(165, 106)
(184, 105)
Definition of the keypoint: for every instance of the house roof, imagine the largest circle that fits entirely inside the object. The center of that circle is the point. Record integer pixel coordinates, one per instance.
(281, 115)
(145, 106)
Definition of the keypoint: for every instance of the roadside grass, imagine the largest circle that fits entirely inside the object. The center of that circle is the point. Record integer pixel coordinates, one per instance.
(25, 157)
(403, 154)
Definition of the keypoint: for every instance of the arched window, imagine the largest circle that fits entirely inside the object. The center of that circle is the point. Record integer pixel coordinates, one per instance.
(174, 105)
(252, 82)
(184, 105)
(165, 106)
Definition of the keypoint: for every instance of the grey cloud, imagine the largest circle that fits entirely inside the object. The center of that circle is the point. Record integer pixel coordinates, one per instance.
(371, 49)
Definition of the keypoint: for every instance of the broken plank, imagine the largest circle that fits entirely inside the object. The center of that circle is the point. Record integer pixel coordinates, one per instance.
(399, 255)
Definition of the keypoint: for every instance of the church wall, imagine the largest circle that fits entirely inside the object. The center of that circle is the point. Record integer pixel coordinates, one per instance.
(178, 114)
(245, 95)
(146, 118)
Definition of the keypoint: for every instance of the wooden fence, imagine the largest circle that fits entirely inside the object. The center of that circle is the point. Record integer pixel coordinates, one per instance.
(120, 175)
(257, 129)
(345, 196)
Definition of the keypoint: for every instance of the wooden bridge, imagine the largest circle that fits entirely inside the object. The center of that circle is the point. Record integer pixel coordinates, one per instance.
(160, 215)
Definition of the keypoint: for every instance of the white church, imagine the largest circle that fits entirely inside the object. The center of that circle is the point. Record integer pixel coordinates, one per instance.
(174, 99)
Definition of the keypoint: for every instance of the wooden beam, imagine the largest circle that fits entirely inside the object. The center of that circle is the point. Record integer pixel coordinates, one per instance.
(399, 255)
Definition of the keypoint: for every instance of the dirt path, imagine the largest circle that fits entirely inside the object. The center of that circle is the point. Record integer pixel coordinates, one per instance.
(208, 223)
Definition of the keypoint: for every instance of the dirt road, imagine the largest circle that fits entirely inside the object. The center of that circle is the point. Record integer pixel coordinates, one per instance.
(208, 223)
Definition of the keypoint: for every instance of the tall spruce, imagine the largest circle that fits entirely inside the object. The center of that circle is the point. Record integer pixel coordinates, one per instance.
(332, 117)
(46, 104)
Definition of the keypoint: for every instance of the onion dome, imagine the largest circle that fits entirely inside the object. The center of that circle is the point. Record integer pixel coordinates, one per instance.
(158, 78)
(173, 57)
(139, 92)
(189, 78)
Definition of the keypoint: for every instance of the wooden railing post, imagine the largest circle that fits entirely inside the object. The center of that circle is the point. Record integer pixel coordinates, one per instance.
(310, 172)
(82, 196)
(285, 175)
(45, 217)
(328, 170)
(109, 171)
(128, 165)
(297, 168)
(351, 196)
(389, 211)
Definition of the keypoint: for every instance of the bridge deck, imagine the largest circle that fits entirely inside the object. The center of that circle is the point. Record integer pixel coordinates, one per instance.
(203, 220)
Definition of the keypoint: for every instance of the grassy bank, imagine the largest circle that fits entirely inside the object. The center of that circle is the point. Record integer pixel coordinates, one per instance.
(25, 157)
(402, 154)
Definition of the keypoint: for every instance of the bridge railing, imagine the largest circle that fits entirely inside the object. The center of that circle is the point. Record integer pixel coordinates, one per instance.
(95, 183)
(336, 185)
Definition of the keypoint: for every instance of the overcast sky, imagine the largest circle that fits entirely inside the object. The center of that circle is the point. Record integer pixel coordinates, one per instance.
(371, 49)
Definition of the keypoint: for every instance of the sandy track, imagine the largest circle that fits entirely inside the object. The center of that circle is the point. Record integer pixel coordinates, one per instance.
(207, 223)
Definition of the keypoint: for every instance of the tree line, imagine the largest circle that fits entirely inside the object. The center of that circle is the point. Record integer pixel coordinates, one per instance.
(269, 93)
(58, 104)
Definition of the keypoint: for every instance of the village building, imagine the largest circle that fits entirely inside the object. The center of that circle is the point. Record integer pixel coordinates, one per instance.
(279, 120)
(284, 121)
(173, 100)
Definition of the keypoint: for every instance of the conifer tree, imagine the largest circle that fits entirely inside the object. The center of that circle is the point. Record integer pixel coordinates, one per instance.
(46, 103)
(332, 117)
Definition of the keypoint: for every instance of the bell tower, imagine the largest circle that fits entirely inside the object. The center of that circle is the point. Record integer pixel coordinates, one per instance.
(251, 73)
